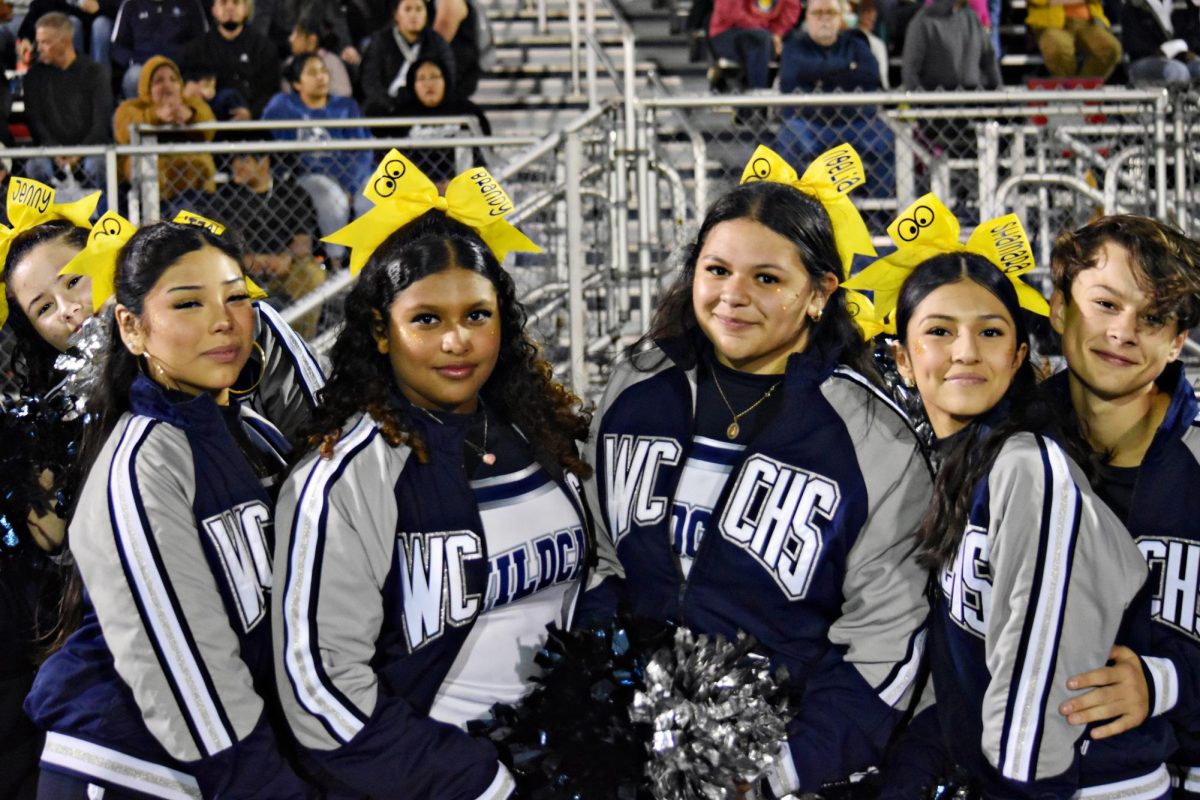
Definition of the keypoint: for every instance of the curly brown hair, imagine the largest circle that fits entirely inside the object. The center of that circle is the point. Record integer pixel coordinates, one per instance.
(1166, 262)
(521, 388)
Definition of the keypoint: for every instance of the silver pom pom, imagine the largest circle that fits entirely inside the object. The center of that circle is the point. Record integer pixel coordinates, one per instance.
(718, 714)
(82, 362)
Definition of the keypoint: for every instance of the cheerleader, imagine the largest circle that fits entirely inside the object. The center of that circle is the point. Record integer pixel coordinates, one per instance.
(437, 528)
(164, 690)
(751, 477)
(48, 303)
(1036, 577)
(1126, 294)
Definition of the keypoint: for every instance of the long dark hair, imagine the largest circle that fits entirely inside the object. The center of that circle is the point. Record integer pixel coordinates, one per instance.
(973, 451)
(521, 388)
(33, 357)
(799, 218)
(142, 261)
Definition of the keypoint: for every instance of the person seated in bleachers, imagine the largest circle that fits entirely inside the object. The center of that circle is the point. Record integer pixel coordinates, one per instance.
(432, 94)
(823, 57)
(244, 59)
(160, 101)
(68, 101)
(946, 47)
(91, 20)
(278, 220)
(1066, 30)
(751, 32)
(1163, 43)
(311, 99)
(392, 52)
(310, 35)
(454, 21)
(146, 28)
(866, 15)
(200, 81)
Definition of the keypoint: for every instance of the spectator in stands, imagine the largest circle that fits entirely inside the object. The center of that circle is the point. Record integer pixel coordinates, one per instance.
(391, 53)
(946, 47)
(828, 57)
(751, 32)
(200, 82)
(432, 94)
(865, 19)
(309, 35)
(1066, 30)
(279, 222)
(68, 101)
(91, 20)
(160, 101)
(455, 22)
(146, 28)
(334, 178)
(245, 60)
(311, 100)
(1163, 43)
(365, 17)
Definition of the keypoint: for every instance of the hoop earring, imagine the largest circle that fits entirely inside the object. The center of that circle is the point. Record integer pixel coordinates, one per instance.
(262, 355)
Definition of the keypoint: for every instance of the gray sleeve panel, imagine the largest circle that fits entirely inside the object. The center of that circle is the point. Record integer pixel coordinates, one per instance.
(885, 608)
(336, 519)
(292, 375)
(1043, 626)
(135, 538)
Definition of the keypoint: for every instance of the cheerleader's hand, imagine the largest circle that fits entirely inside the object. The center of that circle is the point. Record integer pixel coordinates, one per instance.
(1118, 693)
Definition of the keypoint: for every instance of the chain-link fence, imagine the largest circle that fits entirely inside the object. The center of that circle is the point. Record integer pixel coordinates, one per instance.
(1055, 157)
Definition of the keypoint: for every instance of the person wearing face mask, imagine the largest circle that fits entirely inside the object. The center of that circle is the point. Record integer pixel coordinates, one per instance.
(393, 51)
(244, 59)
(164, 688)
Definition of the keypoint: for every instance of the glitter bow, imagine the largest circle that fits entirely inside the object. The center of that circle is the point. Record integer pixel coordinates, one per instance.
(31, 203)
(926, 229)
(828, 178)
(401, 193)
(217, 229)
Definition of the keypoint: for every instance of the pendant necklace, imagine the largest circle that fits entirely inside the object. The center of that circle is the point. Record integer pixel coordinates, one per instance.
(485, 456)
(734, 428)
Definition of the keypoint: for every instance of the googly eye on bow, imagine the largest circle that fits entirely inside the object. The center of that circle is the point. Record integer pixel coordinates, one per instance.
(401, 193)
(392, 171)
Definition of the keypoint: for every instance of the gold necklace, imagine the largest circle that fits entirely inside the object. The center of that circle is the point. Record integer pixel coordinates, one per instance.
(734, 429)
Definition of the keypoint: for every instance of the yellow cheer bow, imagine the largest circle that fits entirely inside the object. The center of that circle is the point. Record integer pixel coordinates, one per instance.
(862, 311)
(30, 203)
(401, 193)
(98, 259)
(829, 178)
(217, 229)
(926, 229)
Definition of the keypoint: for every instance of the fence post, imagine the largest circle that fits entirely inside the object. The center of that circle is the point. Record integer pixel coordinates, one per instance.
(646, 216)
(575, 262)
(1181, 160)
(989, 166)
(1160, 156)
(112, 180)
